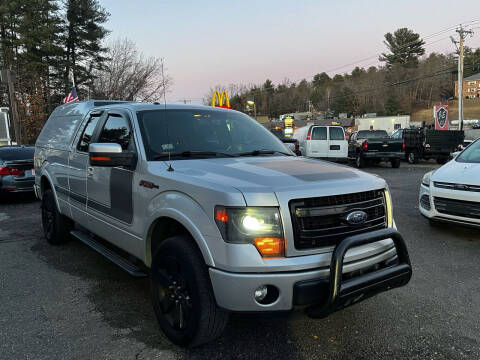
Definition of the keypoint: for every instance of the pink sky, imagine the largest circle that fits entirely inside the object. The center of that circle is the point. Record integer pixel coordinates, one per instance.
(205, 44)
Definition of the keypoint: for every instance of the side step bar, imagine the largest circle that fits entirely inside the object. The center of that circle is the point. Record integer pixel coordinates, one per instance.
(111, 255)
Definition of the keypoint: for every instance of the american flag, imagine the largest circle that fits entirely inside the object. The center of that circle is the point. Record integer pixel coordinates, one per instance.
(72, 96)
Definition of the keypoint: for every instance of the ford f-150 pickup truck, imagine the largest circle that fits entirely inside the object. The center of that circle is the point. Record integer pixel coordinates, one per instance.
(216, 211)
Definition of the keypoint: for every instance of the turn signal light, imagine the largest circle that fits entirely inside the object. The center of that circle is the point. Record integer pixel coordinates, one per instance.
(221, 215)
(269, 246)
(403, 146)
(100, 158)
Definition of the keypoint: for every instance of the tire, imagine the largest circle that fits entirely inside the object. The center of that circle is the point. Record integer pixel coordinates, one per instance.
(359, 162)
(441, 161)
(412, 157)
(56, 227)
(395, 163)
(182, 294)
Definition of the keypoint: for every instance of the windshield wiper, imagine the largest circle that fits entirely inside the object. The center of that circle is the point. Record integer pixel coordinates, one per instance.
(190, 153)
(262, 152)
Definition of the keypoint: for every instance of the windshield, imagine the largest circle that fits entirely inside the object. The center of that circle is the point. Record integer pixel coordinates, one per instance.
(471, 154)
(376, 134)
(222, 132)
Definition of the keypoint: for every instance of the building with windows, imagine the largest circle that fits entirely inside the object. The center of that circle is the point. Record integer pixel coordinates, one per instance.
(471, 87)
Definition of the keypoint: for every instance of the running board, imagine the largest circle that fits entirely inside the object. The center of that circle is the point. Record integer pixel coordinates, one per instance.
(111, 255)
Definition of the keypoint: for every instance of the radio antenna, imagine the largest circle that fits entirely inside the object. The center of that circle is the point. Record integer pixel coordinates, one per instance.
(164, 85)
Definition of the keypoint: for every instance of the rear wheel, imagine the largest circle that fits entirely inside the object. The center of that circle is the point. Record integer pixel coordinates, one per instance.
(395, 163)
(359, 162)
(182, 294)
(412, 157)
(56, 227)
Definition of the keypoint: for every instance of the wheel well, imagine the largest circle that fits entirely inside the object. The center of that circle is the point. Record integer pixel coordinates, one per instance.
(44, 184)
(160, 230)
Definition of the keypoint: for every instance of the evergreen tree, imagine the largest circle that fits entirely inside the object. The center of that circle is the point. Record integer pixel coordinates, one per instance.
(83, 34)
(405, 48)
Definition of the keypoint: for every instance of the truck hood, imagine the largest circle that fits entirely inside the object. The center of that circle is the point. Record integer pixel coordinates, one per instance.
(458, 173)
(264, 179)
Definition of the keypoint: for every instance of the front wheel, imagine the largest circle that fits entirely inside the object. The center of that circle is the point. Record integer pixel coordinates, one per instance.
(182, 294)
(359, 162)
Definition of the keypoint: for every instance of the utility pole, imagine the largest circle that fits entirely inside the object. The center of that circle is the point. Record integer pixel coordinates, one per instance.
(462, 35)
(8, 76)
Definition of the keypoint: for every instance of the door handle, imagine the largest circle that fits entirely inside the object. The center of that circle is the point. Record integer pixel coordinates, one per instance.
(89, 171)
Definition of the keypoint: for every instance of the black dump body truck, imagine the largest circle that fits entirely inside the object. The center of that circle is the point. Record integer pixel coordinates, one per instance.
(428, 144)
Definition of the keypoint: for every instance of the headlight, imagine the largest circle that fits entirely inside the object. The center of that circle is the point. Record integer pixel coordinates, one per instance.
(426, 179)
(260, 226)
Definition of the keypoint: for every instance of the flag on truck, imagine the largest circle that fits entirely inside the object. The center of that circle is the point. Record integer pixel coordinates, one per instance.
(71, 97)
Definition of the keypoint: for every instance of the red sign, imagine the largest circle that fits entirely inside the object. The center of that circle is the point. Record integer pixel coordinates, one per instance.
(441, 117)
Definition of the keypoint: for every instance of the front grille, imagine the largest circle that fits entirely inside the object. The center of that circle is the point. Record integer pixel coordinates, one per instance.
(468, 209)
(425, 202)
(320, 222)
(459, 187)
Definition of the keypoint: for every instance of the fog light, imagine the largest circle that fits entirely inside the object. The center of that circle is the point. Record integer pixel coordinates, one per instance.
(261, 293)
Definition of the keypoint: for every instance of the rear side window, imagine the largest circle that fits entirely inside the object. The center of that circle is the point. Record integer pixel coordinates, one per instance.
(336, 133)
(16, 153)
(117, 130)
(319, 133)
(58, 131)
(87, 134)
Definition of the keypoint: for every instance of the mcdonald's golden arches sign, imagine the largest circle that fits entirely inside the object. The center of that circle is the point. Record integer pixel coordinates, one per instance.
(223, 100)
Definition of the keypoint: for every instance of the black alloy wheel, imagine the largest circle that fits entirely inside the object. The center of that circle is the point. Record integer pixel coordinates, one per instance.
(174, 298)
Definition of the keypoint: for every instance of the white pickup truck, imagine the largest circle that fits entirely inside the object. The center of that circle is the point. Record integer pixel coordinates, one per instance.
(216, 211)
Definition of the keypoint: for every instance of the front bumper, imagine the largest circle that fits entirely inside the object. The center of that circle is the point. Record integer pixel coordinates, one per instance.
(235, 291)
(428, 209)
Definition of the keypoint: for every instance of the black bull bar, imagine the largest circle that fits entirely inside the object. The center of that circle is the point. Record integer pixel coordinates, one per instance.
(346, 293)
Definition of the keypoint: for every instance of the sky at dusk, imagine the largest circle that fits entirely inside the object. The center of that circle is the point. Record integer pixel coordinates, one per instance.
(206, 43)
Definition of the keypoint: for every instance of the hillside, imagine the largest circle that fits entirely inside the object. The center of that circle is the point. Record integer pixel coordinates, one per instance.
(471, 110)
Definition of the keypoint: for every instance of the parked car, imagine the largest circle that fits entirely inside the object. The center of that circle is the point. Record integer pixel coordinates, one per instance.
(476, 125)
(16, 169)
(452, 192)
(222, 215)
(374, 146)
(324, 142)
(422, 143)
(291, 143)
(462, 146)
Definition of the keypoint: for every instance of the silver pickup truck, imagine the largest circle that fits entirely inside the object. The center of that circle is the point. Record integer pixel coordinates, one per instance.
(216, 211)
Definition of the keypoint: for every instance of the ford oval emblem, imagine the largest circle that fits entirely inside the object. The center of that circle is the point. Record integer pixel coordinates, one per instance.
(357, 217)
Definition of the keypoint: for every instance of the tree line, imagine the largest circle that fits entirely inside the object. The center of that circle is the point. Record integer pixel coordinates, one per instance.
(406, 79)
(51, 43)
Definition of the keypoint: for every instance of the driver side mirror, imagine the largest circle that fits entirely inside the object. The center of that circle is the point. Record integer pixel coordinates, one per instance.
(111, 155)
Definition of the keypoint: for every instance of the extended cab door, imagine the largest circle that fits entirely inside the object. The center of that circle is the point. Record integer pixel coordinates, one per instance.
(110, 189)
(318, 145)
(77, 168)
(338, 146)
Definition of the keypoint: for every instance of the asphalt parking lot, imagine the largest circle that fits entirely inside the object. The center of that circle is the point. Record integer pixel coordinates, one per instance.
(68, 302)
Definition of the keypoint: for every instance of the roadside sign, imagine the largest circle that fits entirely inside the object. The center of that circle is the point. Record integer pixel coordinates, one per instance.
(441, 117)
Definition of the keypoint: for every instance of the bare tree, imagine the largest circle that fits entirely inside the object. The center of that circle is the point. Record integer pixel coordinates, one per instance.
(129, 75)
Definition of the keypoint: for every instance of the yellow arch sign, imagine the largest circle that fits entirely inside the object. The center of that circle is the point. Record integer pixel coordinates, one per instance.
(223, 100)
